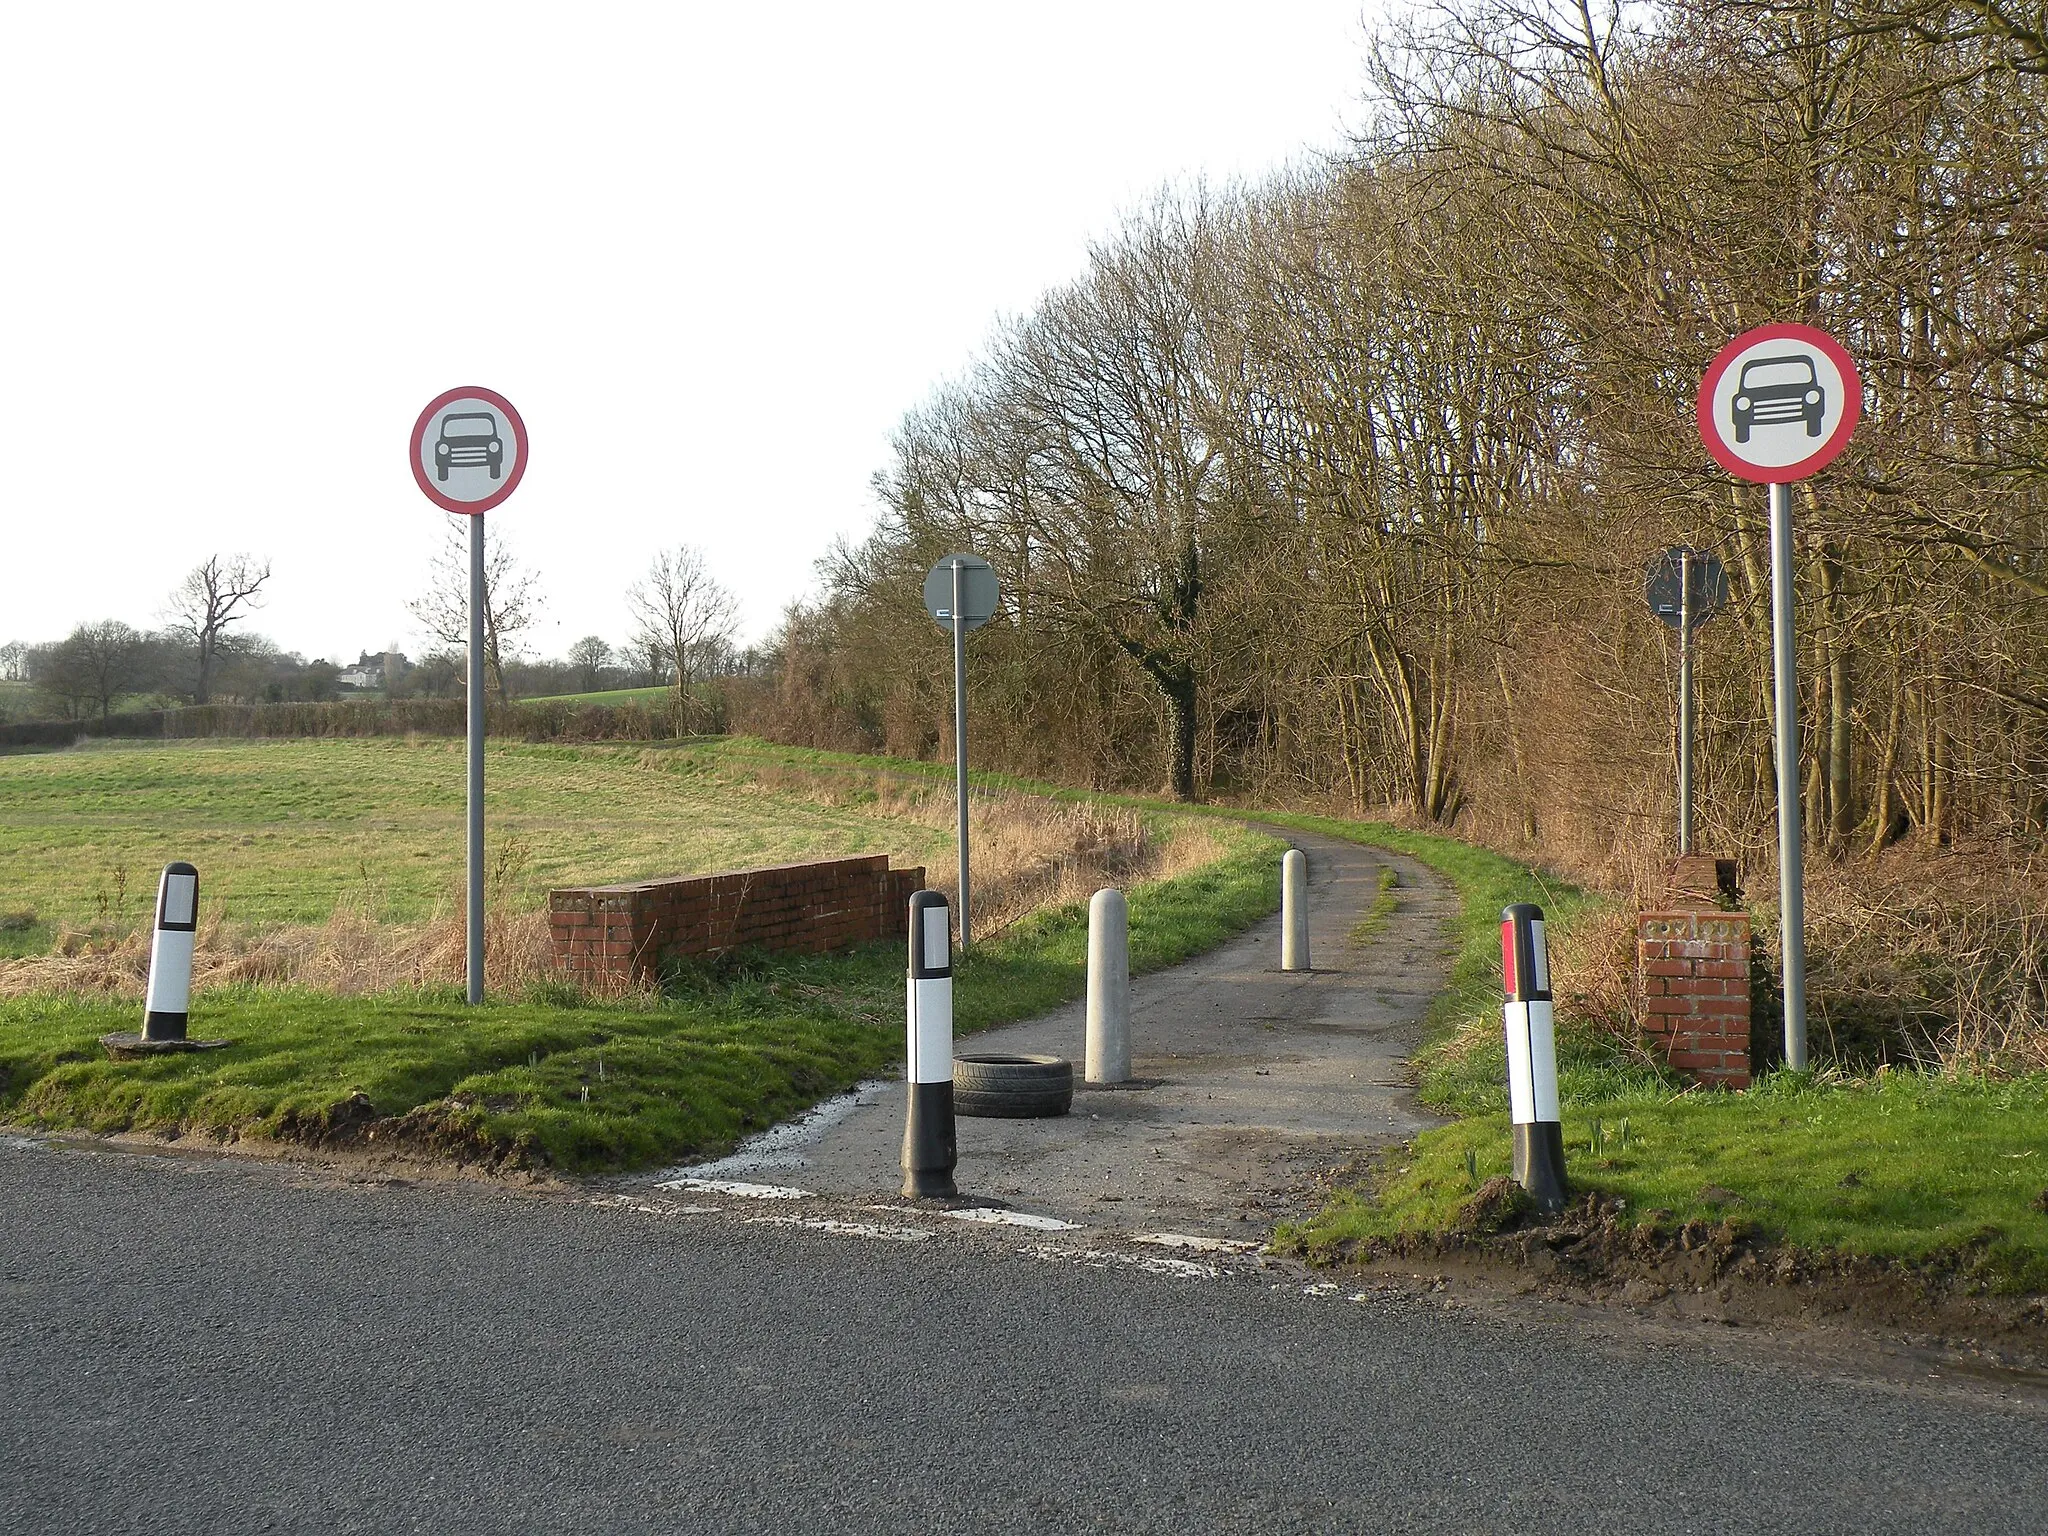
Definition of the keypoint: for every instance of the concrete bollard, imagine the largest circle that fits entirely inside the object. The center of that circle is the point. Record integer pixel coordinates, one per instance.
(170, 954)
(1294, 911)
(1109, 988)
(1532, 1056)
(930, 1150)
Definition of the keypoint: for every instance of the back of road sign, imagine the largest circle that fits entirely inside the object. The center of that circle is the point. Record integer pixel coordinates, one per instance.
(1666, 591)
(978, 593)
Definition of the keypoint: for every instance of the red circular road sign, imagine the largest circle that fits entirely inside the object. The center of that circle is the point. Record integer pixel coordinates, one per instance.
(468, 449)
(1779, 402)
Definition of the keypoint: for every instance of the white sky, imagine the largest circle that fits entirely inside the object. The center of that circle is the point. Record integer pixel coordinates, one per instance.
(711, 253)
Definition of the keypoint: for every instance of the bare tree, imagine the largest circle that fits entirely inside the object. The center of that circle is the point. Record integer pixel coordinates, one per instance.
(13, 662)
(590, 656)
(511, 602)
(94, 665)
(685, 612)
(218, 592)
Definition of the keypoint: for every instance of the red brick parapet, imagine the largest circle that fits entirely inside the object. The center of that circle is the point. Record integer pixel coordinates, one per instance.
(1692, 977)
(627, 931)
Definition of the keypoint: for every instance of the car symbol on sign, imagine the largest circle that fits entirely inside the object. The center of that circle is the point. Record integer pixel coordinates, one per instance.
(469, 440)
(1774, 390)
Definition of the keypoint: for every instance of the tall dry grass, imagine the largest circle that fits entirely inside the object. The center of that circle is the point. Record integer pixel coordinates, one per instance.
(1028, 853)
(1938, 957)
(348, 954)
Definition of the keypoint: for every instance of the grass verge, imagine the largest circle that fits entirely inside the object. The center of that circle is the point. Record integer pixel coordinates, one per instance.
(555, 1080)
(1945, 1174)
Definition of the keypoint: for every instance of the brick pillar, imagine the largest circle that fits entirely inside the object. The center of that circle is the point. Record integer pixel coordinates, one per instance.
(1692, 974)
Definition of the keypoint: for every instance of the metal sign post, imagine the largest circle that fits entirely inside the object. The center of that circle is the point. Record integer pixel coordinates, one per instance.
(1777, 404)
(961, 593)
(1791, 850)
(1685, 703)
(468, 455)
(1687, 587)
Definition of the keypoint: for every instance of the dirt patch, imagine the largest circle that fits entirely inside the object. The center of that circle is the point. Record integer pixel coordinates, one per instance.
(1725, 1272)
(449, 1131)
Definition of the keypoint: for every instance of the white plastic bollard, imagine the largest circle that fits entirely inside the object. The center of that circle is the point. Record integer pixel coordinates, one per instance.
(1532, 1056)
(1109, 988)
(170, 954)
(930, 1151)
(1294, 911)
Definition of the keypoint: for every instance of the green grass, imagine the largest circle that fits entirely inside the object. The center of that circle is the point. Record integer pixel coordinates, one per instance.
(1381, 912)
(735, 1047)
(286, 830)
(1910, 1167)
(1914, 1167)
(655, 695)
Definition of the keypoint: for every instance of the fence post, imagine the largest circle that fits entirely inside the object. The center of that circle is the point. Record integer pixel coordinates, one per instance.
(1532, 1056)
(170, 954)
(930, 1151)
(1109, 988)
(1294, 911)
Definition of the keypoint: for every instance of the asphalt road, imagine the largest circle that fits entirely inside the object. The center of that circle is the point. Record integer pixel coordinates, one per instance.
(198, 1344)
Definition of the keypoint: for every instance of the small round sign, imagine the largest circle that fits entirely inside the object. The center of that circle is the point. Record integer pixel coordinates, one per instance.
(978, 593)
(468, 449)
(1778, 403)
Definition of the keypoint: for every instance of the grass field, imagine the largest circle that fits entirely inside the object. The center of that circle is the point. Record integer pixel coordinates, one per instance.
(284, 831)
(558, 1080)
(361, 840)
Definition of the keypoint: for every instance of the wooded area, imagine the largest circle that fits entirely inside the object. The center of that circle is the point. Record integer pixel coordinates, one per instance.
(1343, 486)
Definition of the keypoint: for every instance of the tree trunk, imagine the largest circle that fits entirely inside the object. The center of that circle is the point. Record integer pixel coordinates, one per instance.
(1841, 738)
(1180, 704)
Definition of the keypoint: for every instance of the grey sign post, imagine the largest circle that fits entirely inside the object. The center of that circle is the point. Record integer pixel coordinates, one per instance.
(468, 455)
(1687, 587)
(960, 592)
(1777, 404)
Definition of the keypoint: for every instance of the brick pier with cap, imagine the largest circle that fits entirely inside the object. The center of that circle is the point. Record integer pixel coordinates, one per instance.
(1692, 975)
(628, 931)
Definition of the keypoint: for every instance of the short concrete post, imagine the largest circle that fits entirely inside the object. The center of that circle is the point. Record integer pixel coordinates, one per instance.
(1294, 911)
(930, 1151)
(170, 954)
(1109, 988)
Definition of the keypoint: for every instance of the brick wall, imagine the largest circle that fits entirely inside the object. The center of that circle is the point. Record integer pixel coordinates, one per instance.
(627, 931)
(1692, 972)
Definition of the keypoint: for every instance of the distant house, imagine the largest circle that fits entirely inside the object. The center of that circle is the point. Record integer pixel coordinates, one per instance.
(372, 670)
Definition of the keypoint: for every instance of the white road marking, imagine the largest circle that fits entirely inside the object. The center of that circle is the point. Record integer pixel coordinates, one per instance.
(990, 1214)
(788, 1145)
(1199, 1244)
(655, 1207)
(738, 1190)
(1321, 1288)
(1102, 1258)
(844, 1228)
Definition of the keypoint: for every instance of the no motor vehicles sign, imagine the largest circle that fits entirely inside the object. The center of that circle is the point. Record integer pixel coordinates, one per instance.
(1778, 403)
(468, 449)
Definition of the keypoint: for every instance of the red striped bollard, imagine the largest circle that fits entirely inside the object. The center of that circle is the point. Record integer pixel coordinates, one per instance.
(1532, 1056)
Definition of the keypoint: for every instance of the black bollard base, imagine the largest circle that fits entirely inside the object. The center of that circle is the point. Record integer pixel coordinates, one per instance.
(930, 1151)
(1539, 1163)
(164, 1026)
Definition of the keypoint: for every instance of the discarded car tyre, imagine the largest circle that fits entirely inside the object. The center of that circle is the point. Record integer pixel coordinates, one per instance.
(1012, 1087)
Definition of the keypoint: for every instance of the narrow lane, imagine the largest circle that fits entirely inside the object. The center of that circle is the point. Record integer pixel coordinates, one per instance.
(1250, 1083)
